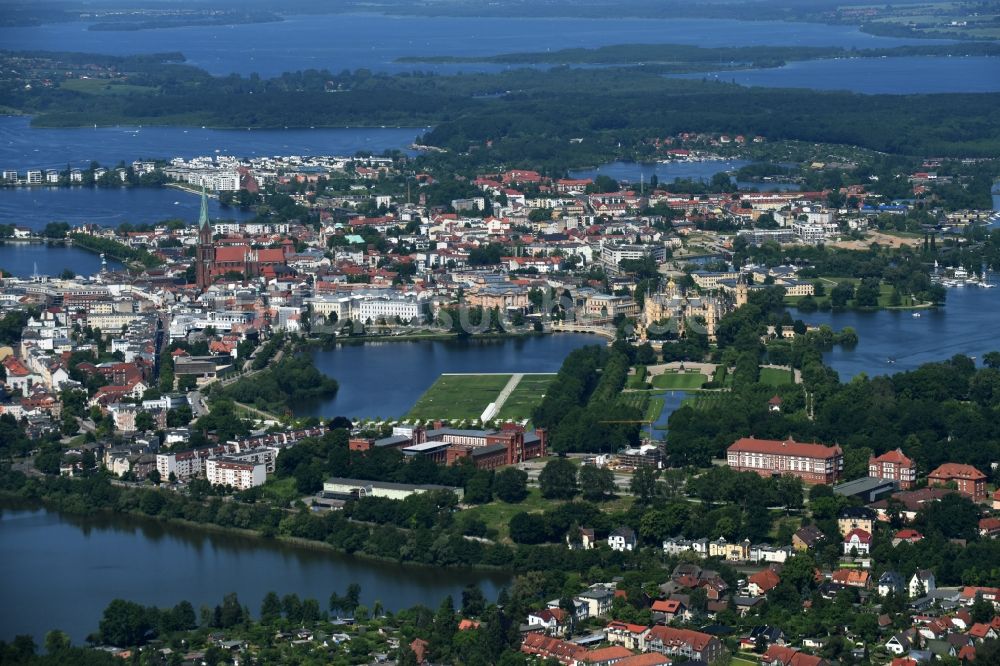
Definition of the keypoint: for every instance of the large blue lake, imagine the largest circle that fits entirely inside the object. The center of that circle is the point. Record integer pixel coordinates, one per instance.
(107, 206)
(61, 572)
(385, 379)
(24, 147)
(350, 41)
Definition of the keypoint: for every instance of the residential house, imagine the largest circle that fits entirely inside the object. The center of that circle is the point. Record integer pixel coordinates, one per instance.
(598, 599)
(584, 540)
(684, 642)
(550, 620)
(856, 518)
(893, 466)
(902, 642)
(622, 539)
(857, 541)
(631, 636)
(890, 582)
(666, 610)
(762, 582)
(921, 584)
(968, 480)
(806, 538)
(851, 578)
(780, 655)
(906, 534)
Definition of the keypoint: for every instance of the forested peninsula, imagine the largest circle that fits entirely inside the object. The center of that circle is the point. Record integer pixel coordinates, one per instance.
(582, 116)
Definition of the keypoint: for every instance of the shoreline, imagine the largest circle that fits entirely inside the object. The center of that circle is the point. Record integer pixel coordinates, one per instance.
(12, 502)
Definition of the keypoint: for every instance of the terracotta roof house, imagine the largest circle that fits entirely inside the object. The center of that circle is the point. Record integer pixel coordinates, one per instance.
(762, 582)
(857, 541)
(851, 577)
(778, 655)
(895, 466)
(969, 480)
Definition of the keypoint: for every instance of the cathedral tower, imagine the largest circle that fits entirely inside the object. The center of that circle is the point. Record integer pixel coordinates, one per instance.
(205, 254)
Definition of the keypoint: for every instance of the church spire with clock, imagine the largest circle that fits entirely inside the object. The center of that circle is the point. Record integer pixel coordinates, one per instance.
(205, 255)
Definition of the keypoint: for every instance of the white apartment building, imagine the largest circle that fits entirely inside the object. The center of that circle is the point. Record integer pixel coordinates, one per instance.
(386, 308)
(240, 475)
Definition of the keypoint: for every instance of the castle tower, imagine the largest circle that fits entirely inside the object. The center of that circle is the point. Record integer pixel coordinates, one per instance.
(742, 291)
(710, 320)
(205, 254)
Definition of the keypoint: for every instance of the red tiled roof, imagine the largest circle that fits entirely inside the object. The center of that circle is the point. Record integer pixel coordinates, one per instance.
(897, 456)
(765, 580)
(863, 536)
(787, 447)
(603, 654)
(666, 606)
(696, 639)
(789, 657)
(956, 471)
(647, 659)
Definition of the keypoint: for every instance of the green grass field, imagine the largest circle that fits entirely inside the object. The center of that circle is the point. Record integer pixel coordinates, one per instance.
(525, 397)
(705, 400)
(679, 380)
(776, 377)
(102, 87)
(497, 514)
(458, 397)
(637, 380)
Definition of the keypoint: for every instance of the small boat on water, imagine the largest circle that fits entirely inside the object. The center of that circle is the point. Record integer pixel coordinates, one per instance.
(916, 314)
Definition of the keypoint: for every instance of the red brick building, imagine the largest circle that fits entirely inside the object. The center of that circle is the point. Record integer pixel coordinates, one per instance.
(894, 466)
(813, 463)
(969, 480)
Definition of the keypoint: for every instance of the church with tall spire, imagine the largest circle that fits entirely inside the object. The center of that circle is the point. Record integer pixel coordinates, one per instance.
(205, 254)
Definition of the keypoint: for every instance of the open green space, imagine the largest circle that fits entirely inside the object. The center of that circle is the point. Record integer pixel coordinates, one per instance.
(102, 87)
(497, 514)
(525, 397)
(705, 400)
(637, 380)
(679, 380)
(458, 397)
(776, 376)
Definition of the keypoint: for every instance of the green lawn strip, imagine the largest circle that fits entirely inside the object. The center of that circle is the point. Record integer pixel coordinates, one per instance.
(525, 397)
(704, 400)
(458, 397)
(654, 408)
(776, 376)
(679, 380)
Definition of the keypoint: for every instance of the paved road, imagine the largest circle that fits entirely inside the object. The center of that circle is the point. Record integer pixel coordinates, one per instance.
(198, 406)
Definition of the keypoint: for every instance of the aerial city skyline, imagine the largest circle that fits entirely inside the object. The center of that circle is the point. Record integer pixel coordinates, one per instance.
(493, 333)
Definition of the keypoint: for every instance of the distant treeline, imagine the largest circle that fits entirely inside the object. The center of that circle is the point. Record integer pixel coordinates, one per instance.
(564, 116)
(710, 58)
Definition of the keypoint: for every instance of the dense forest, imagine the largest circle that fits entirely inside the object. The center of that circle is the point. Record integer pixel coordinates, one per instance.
(527, 116)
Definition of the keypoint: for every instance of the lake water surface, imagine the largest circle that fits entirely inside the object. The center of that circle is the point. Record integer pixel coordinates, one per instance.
(23, 147)
(385, 379)
(894, 76)
(351, 41)
(61, 572)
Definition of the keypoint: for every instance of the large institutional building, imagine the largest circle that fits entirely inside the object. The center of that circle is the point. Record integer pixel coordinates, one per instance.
(893, 466)
(813, 463)
(486, 449)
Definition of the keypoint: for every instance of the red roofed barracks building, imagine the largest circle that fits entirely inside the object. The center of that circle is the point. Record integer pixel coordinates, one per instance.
(813, 463)
(969, 480)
